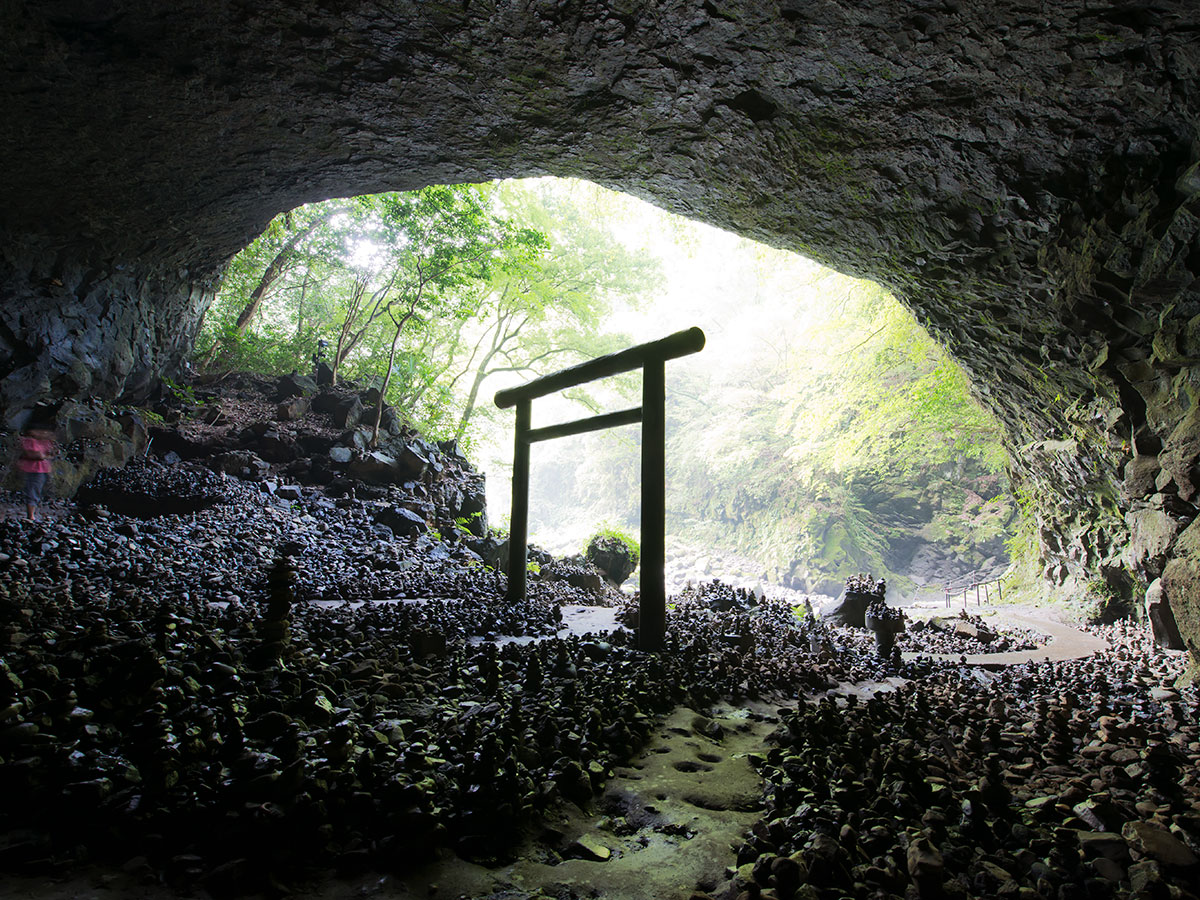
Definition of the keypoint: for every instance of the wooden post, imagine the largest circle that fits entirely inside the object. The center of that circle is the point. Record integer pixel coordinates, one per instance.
(518, 533)
(999, 593)
(652, 613)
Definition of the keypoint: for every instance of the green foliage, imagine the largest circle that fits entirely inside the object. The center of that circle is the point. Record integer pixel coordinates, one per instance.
(1023, 545)
(182, 393)
(450, 285)
(892, 401)
(821, 425)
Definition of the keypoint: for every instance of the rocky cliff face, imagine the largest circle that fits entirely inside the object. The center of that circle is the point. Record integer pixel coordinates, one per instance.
(1023, 175)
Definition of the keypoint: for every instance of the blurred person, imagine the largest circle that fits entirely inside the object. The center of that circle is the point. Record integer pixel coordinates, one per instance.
(37, 451)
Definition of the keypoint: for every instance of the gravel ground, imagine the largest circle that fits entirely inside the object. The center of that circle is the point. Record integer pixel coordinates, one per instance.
(248, 697)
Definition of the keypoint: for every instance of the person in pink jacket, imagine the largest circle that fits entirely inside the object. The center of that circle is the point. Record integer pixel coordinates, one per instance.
(37, 450)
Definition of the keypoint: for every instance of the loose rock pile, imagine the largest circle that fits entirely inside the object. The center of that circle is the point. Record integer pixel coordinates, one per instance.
(962, 635)
(258, 685)
(1057, 780)
(170, 684)
(968, 634)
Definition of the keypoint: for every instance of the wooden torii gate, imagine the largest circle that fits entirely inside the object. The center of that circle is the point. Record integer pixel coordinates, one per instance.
(651, 358)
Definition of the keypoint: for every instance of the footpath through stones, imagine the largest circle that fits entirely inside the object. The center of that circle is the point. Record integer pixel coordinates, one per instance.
(1066, 641)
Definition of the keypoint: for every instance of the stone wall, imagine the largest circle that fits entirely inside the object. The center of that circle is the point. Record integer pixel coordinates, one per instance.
(1021, 173)
(76, 326)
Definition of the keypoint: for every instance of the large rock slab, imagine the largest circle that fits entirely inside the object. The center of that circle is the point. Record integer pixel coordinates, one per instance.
(1162, 618)
(380, 467)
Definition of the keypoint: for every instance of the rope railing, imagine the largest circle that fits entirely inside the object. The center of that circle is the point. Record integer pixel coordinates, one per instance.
(975, 586)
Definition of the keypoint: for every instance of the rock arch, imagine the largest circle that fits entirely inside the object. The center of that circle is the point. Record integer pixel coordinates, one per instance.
(1023, 174)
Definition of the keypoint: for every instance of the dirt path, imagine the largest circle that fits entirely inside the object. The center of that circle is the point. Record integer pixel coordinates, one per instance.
(1066, 641)
(663, 825)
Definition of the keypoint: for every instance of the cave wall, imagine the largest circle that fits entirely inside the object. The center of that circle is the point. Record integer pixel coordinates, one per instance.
(1022, 174)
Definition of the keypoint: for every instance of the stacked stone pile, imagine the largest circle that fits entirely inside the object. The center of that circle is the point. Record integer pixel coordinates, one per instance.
(859, 593)
(169, 684)
(964, 634)
(1062, 780)
(260, 687)
(865, 584)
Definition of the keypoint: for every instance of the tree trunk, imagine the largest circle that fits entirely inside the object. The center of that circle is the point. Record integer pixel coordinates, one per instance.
(476, 383)
(387, 377)
(275, 269)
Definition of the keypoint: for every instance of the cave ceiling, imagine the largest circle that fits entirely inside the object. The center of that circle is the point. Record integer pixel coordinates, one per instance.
(1022, 175)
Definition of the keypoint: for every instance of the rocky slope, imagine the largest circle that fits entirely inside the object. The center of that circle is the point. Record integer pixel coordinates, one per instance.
(258, 693)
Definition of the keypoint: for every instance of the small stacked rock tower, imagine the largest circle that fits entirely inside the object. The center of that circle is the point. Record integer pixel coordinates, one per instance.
(860, 592)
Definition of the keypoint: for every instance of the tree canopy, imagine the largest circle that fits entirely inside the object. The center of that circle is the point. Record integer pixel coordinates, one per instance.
(428, 293)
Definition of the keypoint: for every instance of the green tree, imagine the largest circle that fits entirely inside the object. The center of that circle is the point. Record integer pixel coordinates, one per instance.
(275, 293)
(546, 310)
(438, 244)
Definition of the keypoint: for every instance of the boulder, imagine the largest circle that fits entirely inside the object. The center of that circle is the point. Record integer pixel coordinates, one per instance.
(850, 609)
(242, 464)
(314, 444)
(613, 557)
(969, 629)
(577, 572)
(295, 385)
(1152, 531)
(588, 847)
(491, 550)
(1162, 619)
(168, 440)
(376, 467)
(275, 447)
(1140, 475)
(295, 408)
(380, 467)
(473, 508)
(414, 463)
(403, 522)
(390, 422)
(1157, 843)
(347, 412)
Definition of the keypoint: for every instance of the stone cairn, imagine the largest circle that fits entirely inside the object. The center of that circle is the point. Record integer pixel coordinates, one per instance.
(885, 622)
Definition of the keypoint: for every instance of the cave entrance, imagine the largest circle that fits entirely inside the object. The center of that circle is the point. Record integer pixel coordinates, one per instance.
(827, 434)
(651, 359)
